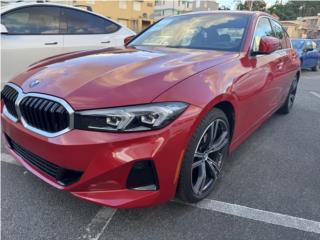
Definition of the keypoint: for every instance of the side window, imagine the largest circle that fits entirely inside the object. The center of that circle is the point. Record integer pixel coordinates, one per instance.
(78, 22)
(310, 45)
(32, 20)
(279, 33)
(263, 28)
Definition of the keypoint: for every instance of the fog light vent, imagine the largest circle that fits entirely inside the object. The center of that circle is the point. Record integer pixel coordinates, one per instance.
(143, 176)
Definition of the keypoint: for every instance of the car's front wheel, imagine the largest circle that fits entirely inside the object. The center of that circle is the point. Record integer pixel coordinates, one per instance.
(315, 68)
(204, 157)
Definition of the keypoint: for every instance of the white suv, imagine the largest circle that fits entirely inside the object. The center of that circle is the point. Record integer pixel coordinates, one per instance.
(33, 31)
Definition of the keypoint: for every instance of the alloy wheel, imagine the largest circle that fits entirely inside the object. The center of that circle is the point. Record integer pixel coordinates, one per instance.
(209, 155)
(292, 94)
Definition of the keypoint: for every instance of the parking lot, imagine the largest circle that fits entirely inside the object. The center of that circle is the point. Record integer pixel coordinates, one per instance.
(269, 190)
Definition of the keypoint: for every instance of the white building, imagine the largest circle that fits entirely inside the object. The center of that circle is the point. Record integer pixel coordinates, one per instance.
(164, 8)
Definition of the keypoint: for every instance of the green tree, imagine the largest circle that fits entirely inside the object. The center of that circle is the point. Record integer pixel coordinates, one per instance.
(252, 5)
(293, 9)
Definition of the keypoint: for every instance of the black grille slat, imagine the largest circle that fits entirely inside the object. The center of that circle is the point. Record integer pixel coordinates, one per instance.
(33, 112)
(52, 115)
(34, 161)
(9, 99)
(38, 116)
(24, 110)
(42, 164)
(43, 114)
(9, 96)
(61, 115)
(41, 119)
(47, 114)
(62, 175)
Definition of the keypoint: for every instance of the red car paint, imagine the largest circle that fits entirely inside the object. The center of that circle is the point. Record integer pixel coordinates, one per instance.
(255, 87)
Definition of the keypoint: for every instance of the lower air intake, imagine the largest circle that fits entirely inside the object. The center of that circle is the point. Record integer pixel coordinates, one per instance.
(62, 175)
(143, 176)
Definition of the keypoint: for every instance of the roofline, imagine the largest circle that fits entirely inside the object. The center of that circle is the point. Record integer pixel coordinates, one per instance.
(252, 13)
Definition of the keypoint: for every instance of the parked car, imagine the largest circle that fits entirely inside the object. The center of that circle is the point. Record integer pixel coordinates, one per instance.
(308, 52)
(130, 127)
(33, 31)
(317, 41)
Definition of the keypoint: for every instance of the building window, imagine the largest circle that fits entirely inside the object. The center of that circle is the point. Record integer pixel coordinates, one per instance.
(137, 6)
(122, 4)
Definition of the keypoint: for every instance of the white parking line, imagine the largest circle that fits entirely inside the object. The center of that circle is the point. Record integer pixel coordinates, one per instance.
(315, 94)
(98, 224)
(259, 215)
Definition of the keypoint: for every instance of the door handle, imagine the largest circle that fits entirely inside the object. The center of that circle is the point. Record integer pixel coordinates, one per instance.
(51, 43)
(105, 42)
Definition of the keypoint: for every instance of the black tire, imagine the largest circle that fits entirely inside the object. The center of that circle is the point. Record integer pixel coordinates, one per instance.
(215, 117)
(287, 106)
(315, 68)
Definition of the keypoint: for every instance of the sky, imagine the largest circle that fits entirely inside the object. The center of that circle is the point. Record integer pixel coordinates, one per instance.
(231, 3)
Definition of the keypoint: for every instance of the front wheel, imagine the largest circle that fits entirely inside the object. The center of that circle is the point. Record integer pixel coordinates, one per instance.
(204, 157)
(315, 68)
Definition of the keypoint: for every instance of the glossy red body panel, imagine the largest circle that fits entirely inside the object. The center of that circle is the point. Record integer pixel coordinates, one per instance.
(106, 159)
(268, 45)
(255, 87)
(117, 77)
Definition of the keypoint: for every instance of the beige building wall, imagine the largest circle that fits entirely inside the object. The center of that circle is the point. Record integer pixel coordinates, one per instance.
(293, 28)
(306, 27)
(136, 15)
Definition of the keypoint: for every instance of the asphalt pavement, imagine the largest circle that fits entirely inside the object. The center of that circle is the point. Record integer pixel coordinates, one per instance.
(269, 190)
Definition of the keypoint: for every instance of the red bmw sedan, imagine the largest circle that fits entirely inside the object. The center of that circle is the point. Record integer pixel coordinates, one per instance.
(133, 127)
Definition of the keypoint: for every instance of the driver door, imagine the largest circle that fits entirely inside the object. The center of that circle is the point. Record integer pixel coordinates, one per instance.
(258, 89)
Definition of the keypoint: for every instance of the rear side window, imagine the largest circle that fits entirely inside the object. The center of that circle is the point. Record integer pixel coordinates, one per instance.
(263, 29)
(78, 22)
(32, 20)
(280, 34)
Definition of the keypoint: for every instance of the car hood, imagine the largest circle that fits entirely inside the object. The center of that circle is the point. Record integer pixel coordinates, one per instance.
(116, 77)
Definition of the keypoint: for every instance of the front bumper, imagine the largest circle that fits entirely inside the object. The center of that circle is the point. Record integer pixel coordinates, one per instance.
(106, 159)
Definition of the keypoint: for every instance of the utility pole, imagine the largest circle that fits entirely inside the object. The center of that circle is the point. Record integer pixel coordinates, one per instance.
(251, 5)
(172, 7)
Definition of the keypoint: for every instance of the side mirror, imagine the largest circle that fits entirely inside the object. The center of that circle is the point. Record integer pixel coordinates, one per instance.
(128, 39)
(268, 45)
(4, 30)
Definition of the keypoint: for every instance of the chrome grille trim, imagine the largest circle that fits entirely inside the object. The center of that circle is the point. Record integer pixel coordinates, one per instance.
(22, 95)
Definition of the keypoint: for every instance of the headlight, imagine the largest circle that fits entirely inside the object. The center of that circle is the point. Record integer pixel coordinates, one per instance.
(129, 119)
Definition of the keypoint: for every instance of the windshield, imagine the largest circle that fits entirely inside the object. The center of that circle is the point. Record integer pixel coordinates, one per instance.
(297, 44)
(211, 31)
